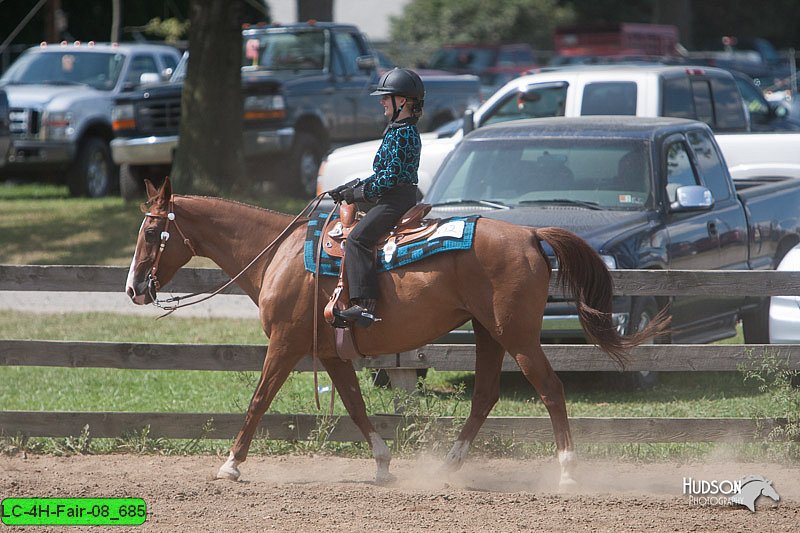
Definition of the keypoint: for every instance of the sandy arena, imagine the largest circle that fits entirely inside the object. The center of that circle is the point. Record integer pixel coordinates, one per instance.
(300, 493)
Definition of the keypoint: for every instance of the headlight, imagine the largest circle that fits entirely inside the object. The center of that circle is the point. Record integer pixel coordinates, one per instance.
(57, 125)
(264, 107)
(609, 261)
(122, 117)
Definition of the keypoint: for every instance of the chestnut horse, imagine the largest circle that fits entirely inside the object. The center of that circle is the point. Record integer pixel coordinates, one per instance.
(501, 284)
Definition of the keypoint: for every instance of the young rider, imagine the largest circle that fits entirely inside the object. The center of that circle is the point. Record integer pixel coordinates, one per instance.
(392, 188)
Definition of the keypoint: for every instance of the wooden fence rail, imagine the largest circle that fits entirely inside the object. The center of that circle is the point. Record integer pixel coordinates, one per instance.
(439, 356)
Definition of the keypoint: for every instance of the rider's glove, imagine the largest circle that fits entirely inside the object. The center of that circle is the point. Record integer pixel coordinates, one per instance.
(338, 193)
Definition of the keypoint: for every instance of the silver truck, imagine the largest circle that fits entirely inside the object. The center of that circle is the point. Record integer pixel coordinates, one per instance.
(60, 98)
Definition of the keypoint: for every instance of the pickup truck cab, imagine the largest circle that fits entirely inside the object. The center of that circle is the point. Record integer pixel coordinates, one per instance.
(61, 98)
(701, 93)
(306, 90)
(646, 193)
(5, 134)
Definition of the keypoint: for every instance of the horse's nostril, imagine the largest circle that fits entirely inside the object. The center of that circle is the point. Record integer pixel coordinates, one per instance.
(130, 292)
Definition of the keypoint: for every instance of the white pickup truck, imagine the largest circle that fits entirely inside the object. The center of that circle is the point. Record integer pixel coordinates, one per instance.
(755, 136)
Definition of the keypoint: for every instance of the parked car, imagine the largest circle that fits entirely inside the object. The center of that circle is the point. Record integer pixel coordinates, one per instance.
(306, 90)
(61, 97)
(765, 115)
(646, 193)
(703, 93)
(784, 311)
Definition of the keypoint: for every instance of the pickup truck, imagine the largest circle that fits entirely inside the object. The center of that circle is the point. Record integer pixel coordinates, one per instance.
(61, 98)
(646, 193)
(753, 144)
(5, 134)
(306, 90)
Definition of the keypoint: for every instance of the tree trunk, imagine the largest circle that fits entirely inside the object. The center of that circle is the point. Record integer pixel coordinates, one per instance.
(209, 158)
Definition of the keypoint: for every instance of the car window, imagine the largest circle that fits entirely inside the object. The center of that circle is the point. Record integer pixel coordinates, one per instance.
(701, 93)
(349, 51)
(711, 167)
(728, 109)
(679, 169)
(611, 174)
(754, 100)
(140, 64)
(609, 98)
(547, 101)
(677, 101)
(303, 50)
(169, 61)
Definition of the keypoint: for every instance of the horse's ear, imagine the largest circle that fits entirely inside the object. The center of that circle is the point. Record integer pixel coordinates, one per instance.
(166, 189)
(150, 189)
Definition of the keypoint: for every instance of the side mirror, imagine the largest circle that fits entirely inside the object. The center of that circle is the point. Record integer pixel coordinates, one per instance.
(691, 198)
(367, 62)
(778, 110)
(469, 121)
(149, 77)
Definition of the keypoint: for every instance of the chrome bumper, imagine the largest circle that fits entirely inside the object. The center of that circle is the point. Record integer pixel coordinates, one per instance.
(144, 151)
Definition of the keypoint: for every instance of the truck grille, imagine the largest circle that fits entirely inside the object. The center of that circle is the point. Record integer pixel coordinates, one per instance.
(24, 123)
(162, 116)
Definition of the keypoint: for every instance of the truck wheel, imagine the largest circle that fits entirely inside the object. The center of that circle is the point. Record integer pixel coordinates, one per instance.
(643, 311)
(93, 172)
(304, 164)
(755, 324)
(131, 183)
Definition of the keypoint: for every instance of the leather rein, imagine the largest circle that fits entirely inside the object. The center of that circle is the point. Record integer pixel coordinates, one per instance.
(154, 285)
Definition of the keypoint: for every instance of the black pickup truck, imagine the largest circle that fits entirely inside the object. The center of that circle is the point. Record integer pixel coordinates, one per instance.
(646, 193)
(306, 89)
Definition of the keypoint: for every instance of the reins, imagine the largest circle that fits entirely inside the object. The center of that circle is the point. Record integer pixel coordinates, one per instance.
(165, 235)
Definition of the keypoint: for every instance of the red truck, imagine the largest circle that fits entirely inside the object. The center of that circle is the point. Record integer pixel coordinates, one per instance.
(584, 44)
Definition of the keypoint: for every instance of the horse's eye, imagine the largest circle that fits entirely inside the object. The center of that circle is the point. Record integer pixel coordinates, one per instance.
(151, 236)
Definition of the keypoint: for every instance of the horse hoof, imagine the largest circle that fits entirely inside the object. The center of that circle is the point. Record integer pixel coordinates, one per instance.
(567, 484)
(385, 478)
(229, 470)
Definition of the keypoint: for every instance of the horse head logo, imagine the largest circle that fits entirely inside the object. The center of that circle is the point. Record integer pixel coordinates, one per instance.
(752, 488)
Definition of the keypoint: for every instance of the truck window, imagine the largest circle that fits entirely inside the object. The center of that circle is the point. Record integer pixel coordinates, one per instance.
(140, 65)
(701, 93)
(728, 104)
(679, 169)
(547, 101)
(677, 101)
(349, 50)
(609, 98)
(711, 167)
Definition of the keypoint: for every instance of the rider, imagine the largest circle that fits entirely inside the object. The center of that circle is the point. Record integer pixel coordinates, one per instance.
(392, 188)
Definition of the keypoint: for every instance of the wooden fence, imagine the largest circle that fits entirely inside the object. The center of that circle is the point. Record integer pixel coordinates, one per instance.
(400, 366)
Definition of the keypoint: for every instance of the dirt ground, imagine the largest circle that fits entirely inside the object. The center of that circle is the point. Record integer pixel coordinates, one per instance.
(302, 493)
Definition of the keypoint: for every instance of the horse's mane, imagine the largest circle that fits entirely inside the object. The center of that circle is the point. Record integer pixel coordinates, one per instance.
(144, 207)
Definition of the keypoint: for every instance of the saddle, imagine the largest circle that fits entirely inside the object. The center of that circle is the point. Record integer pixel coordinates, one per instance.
(412, 227)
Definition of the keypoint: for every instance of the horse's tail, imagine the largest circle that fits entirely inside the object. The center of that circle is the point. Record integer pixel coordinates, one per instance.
(582, 272)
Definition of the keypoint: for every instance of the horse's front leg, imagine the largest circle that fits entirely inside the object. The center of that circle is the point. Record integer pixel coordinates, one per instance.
(346, 382)
(488, 364)
(278, 363)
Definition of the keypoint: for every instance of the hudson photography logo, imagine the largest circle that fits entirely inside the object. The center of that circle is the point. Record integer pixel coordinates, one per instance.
(728, 492)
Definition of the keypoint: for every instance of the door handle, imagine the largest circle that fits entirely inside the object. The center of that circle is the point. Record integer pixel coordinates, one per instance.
(712, 229)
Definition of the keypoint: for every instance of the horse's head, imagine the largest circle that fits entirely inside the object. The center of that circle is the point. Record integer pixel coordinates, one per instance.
(156, 257)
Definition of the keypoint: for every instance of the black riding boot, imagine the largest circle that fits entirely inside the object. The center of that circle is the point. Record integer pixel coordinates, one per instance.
(360, 313)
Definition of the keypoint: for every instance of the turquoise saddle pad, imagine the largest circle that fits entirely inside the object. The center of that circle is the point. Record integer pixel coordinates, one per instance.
(454, 233)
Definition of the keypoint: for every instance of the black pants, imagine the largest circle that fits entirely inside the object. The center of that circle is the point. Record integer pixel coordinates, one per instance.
(362, 275)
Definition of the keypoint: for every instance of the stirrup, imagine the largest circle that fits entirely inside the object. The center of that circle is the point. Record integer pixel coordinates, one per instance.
(358, 315)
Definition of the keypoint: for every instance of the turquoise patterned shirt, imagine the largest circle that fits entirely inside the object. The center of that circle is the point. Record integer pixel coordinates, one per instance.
(396, 161)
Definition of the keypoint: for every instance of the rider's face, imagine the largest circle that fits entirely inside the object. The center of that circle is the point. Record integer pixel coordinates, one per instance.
(386, 102)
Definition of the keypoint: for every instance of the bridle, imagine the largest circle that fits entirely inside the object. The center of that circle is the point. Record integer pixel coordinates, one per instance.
(173, 303)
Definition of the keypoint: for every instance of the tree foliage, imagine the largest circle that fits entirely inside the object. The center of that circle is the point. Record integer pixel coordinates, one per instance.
(427, 24)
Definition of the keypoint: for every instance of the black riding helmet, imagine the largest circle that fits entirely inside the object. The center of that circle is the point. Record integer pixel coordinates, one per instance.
(402, 82)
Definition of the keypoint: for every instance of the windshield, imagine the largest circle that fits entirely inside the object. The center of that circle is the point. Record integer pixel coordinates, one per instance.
(610, 174)
(303, 50)
(96, 69)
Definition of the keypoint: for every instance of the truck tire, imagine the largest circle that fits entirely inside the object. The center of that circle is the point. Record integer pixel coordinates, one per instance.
(304, 162)
(93, 173)
(755, 324)
(131, 183)
(643, 311)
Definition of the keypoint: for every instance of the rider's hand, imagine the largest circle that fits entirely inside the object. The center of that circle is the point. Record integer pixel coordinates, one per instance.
(338, 193)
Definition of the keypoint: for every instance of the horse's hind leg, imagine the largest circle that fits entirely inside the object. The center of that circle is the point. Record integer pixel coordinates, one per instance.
(488, 364)
(277, 366)
(536, 368)
(344, 378)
